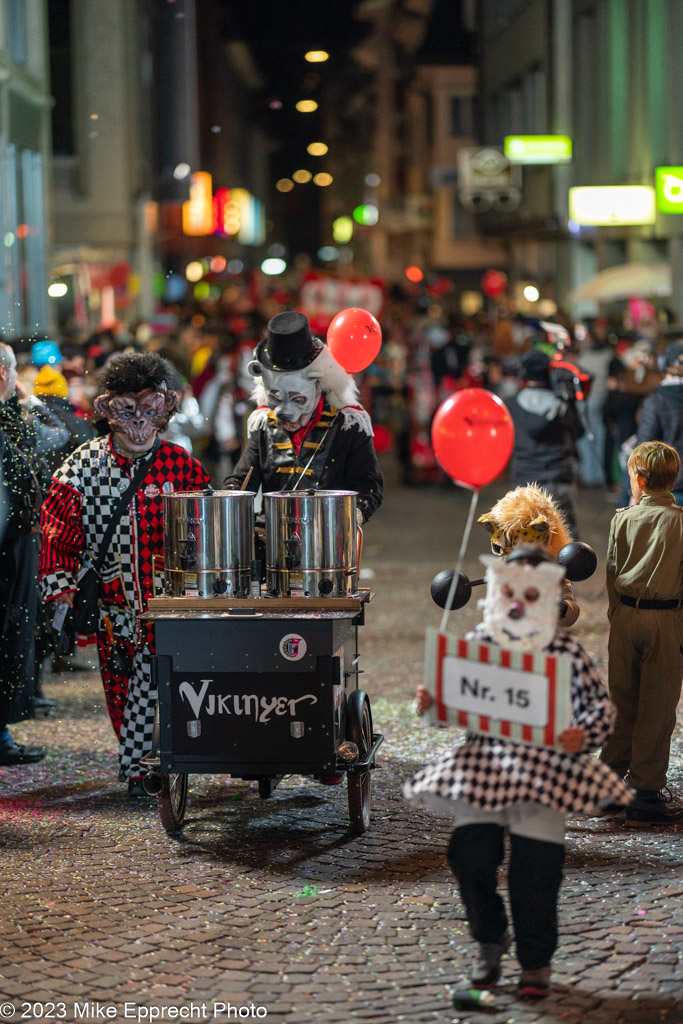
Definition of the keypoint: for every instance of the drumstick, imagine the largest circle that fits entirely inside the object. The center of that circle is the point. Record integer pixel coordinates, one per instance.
(246, 479)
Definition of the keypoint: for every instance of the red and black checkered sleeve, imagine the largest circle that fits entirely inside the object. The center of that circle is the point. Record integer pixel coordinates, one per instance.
(63, 540)
(200, 478)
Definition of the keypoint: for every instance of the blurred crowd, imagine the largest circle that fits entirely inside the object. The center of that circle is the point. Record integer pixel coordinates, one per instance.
(426, 358)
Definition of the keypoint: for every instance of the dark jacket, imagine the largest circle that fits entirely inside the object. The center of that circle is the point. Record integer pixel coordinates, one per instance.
(20, 498)
(79, 429)
(546, 432)
(661, 419)
(23, 475)
(334, 456)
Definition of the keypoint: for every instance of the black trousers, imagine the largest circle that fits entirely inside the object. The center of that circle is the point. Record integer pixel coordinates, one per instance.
(475, 853)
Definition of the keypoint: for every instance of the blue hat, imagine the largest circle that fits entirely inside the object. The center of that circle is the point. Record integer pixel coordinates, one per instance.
(45, 353)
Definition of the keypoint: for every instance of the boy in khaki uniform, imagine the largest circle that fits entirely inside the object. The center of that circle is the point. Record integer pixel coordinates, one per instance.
(645, 592)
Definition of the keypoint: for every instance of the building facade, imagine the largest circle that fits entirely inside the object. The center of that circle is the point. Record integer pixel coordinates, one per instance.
(608, 74)
(24, 167)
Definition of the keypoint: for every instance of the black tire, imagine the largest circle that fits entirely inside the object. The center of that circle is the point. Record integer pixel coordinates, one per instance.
(172, 801)
(359, 731)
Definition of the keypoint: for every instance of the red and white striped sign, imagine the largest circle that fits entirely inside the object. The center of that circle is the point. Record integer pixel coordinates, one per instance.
(517, 695)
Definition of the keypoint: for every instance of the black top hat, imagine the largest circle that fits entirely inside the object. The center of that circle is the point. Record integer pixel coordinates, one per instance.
(289, 344)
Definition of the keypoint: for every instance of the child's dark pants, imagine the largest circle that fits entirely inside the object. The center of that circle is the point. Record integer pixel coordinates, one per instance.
(475, 853)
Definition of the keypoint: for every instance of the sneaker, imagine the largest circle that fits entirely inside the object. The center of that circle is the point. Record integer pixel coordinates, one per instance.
(534, 984)
(43, 707)
(486, 969)
(12, 753)
(650, 808)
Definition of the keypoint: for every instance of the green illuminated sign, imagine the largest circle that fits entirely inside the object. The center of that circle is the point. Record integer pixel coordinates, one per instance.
(669, 189)
(538, 149)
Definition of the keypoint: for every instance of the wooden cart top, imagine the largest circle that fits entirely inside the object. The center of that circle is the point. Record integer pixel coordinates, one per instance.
(158, 605)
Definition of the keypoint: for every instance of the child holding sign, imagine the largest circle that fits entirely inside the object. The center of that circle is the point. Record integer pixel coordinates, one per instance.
(492, 784)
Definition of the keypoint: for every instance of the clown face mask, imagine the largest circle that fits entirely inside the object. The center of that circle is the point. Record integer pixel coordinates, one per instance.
(292, 397)
(135, 420)
(521, 607)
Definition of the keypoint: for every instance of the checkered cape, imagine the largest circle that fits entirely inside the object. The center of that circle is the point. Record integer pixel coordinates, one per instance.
(83, 494)
(494, 773)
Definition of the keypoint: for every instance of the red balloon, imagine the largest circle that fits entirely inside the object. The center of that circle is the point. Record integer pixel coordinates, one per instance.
(354, 338)
(472, 436)
(383, 440)
(493, 283)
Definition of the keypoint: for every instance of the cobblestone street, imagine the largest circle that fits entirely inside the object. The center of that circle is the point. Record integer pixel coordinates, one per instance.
(273, 905)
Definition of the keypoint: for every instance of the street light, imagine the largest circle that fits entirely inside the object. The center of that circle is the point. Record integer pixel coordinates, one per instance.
(273, 266)
(306, 106)
(316, 56)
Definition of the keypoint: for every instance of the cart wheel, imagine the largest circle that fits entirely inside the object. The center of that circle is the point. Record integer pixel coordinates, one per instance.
(359, 731)
(172, 801)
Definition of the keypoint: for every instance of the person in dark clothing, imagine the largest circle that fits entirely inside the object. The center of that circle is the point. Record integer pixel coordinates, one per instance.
(546, 431)
(50, 387)
(20, 498)
(661, 415)
(308, 430)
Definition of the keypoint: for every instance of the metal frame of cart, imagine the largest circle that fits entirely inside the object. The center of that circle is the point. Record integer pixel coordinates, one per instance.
(258, 689)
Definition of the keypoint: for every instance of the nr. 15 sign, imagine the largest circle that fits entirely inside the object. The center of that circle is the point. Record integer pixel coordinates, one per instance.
(517, 695)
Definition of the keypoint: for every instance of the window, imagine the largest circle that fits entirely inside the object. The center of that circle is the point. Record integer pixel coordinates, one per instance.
(60, 77)
(462, 117)
(16, 20)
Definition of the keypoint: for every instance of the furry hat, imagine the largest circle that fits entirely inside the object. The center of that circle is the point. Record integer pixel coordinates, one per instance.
(523, 515)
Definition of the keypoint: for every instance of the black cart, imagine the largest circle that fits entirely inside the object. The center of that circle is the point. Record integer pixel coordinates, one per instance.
(258, 689)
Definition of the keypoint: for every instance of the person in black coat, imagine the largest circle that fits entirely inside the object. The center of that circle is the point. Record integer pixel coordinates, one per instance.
(546, 431)
(20, 498)
(308, 430)
(661, 414)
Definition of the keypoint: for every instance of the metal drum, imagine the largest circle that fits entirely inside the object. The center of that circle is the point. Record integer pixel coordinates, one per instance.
(208, 543)
(311, 543)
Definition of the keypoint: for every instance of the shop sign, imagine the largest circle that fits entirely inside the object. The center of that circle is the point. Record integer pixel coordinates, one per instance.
(669, 189)
(538, 149)
(611, 205)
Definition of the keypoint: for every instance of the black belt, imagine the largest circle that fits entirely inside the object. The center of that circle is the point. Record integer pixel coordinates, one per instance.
(634, 602)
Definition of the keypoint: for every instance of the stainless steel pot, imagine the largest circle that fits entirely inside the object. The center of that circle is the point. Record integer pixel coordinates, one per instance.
(311, 543)
(208, 543)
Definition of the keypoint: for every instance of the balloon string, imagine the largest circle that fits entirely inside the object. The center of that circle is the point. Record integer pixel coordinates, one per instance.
(461, 556)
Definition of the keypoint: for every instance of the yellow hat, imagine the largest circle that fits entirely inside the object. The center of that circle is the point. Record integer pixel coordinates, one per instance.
(50, 382)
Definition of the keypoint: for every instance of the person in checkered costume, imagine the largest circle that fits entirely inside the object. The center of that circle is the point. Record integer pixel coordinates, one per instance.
(492, 785)
(137, 400)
